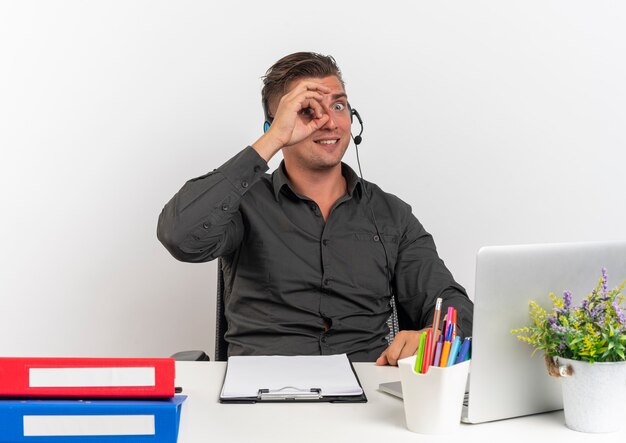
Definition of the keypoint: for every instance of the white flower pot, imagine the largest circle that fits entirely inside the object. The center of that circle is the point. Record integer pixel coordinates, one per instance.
(594, 395)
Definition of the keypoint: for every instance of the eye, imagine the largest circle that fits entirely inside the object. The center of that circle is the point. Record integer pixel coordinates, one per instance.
(308, 112)
(339, 106)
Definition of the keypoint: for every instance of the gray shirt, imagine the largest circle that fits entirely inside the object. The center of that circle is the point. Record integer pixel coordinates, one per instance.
(296, 284)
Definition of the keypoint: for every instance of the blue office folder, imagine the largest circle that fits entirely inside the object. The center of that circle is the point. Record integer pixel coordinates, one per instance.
(90, 421)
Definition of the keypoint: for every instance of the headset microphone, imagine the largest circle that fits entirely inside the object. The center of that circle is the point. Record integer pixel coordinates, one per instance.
(358, 139)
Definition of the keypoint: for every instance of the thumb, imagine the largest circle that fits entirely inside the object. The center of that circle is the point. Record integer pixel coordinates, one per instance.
(317, 123)
(382, 360)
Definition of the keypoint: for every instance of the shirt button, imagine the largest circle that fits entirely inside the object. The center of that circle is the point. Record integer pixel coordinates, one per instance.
(323, 339)
(205, 225)
(244, 184)
(376, 238)
(257, 168)
(326, 282)
(325, 242)
(224, 207)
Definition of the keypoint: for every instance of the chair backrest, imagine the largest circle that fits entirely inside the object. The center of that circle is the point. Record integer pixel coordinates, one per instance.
(392, 321)
(221, 346)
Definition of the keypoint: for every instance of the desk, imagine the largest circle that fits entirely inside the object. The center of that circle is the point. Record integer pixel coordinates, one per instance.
(380, 420)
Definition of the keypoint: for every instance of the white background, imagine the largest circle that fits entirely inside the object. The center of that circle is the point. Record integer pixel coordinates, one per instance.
(499, 122)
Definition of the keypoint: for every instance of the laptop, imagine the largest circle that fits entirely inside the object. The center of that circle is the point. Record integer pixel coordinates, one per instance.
(505, 380)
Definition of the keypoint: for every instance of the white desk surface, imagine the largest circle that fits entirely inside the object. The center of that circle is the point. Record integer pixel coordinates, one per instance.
(381, 419)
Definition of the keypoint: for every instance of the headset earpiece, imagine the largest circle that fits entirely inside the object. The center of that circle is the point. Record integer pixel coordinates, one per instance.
(268, 118)
(354, 113)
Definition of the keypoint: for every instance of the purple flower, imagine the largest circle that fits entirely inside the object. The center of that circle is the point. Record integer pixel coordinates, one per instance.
(556, 328)
(619, 312)
(601, 320)
(605, 280)
(567, 299)
(585, 305)
(596, 311)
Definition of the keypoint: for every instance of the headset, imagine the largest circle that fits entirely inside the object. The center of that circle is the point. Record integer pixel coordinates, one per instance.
(353, 113)
(357, 141)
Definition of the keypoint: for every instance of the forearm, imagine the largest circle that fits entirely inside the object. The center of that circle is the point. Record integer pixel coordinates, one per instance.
(202, 221)
(267, 146)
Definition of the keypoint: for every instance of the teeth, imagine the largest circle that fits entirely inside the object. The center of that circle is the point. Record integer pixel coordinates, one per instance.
(327, 142)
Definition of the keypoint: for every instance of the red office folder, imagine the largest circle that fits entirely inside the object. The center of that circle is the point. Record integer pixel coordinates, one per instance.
(86, 377)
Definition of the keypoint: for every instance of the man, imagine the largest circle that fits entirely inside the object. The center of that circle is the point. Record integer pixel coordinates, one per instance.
(311, 255)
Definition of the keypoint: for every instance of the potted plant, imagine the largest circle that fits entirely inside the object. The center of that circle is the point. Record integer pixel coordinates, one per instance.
(585, 345)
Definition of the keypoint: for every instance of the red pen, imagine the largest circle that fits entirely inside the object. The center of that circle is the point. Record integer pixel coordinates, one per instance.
(448, 322)
(428, 356)
(454, 325)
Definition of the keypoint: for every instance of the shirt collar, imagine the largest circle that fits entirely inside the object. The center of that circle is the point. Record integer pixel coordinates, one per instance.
(280, 179)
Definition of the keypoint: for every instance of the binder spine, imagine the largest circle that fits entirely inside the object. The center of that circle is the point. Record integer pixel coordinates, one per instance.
(87, 377)
(93, 421)
(289, 393)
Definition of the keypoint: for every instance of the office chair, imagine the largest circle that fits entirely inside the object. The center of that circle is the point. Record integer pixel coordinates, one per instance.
(392, 321)
(221, 346)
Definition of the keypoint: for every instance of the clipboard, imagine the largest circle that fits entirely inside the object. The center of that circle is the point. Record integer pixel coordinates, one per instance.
(280, 379)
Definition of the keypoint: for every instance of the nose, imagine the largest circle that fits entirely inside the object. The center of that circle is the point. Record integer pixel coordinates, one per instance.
(331, 123)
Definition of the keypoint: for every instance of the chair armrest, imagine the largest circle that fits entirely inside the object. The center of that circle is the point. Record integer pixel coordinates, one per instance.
(190, 356)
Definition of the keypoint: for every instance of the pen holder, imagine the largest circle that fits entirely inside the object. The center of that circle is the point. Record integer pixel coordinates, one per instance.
(433, 401)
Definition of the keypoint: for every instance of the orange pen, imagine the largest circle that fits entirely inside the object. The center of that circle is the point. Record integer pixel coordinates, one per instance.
(444, 354)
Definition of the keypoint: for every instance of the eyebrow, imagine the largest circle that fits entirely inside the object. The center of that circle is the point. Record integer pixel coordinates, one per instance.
(340, 95)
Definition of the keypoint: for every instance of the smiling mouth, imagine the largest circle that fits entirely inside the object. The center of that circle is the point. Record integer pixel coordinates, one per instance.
(327, 142)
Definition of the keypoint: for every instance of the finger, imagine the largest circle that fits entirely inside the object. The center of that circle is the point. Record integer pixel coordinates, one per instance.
(382, 360)
(300, 93)
(312, 86)
(317, 123)
(412, 342)
(405, 344)
(296, 99)
(409, 349)
(395, 348)
(393, 361)
(315, 106)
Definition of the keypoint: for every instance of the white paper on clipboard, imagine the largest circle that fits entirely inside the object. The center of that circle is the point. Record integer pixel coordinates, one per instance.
(331, 374)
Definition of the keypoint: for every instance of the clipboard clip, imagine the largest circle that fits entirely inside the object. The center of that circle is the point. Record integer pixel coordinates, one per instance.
(290, 393)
